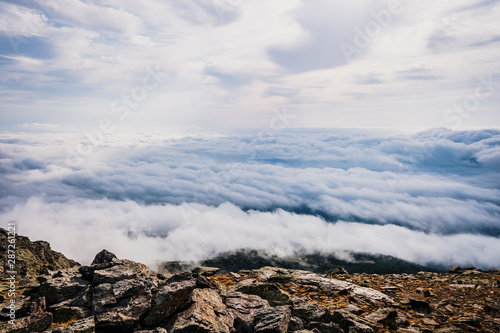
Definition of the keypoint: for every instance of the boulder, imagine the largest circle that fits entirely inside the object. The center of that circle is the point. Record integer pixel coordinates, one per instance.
(350, 322)
(244, 306)
(272, 320)
(62, 286)
(167, 300)
(104, 257)
(270, 292)
(205, 271)
(207, 313)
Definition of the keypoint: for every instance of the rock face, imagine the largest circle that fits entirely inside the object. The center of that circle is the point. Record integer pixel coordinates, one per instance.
(116, 295)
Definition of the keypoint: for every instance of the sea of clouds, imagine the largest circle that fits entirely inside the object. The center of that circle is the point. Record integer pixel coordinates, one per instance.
(432, 197)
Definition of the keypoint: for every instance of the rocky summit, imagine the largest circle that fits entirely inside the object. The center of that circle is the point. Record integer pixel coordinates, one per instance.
(118, 295)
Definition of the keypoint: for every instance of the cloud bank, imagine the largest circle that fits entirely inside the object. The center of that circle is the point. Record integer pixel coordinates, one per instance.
(430, 197)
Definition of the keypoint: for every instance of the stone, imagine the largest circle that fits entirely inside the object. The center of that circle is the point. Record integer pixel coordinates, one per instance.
(351, 322)
(206, 314)
(205, 271)
(244, 306)
(272, 320)
(310, 312)
(337, 271)
(65, 314)
(270, 292)
(387, 317)
(104, 257)
(62, 288)
(420, 305)
(324, 327)
(121, 305)
(168, 300)
(123, 270)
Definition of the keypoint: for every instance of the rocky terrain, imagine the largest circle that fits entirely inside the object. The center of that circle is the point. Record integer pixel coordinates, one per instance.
(118, 295)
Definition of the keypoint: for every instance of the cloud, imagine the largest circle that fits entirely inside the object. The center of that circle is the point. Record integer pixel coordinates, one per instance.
(437, 185)
(156, 233)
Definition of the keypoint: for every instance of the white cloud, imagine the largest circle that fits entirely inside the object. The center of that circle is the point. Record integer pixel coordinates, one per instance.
(435, 187)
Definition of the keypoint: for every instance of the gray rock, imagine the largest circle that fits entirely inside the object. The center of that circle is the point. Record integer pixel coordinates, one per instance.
(387, 317)
(205, 271)
(244, 306)
(104, 257)
(310, 312)
(168, 300)
(270, 292)
(65, 314)
(63, 287)
(206, 314)
(351, 322)
(325, 327)
(272, 320)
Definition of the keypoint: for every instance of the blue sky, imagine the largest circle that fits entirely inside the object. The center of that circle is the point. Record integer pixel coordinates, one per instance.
(66, 65)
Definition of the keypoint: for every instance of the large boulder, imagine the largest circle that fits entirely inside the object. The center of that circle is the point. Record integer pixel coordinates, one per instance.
(207, 313)
(167, 300)
(62, 286)
(272, 320)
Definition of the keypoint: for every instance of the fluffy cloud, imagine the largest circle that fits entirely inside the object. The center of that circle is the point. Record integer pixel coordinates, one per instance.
(435, 187)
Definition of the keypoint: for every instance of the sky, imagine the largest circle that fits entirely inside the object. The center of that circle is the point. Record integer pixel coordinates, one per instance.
(120, 65)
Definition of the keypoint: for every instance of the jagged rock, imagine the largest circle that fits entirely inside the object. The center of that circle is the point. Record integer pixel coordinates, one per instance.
(272, 320)
(204, 282)
(62, 287)
(324, 327)
(119, 306)
(270, 292)
(419, 305)
(184, 276)
(32, 260)
(121, 270)
(244, 306)
(156, 330)
(168, 300)
(386, 317)
(85, 325)
(32, 323)
(205, 271)
(310, 312)
(296, 324)
(104, 257)
(349, 322)
(65, 314)
(337, 271)
(206, 314)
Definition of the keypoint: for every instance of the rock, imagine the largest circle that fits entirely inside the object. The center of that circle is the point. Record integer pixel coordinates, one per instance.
(205, 271)
(119, 306)
(32, 259)
(337, 271)
(244, 306)
(205, 282)
(63, 287)
(65, 314)
(272, 320)
(156, 330)
(32, 323)
(206, 314)
(295, 324)
(104, 257)
(121, 270)
(168, 300)
(387, 317)
(270, 292)
(325, 328)
(85, 325)
(310, 312)
(419, 305)
(350, 322)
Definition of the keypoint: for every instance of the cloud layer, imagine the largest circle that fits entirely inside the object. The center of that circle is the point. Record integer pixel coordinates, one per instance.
(430, 197)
